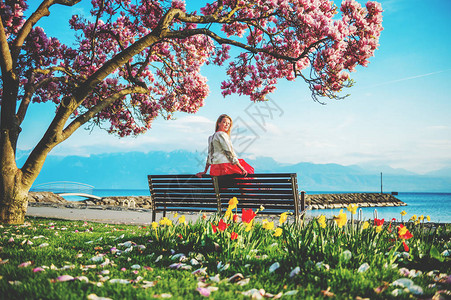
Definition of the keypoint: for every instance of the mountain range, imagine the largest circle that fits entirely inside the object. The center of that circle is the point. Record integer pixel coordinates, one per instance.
(129, 170)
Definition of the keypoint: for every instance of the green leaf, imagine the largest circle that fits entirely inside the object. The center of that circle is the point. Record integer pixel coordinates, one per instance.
(436, 254)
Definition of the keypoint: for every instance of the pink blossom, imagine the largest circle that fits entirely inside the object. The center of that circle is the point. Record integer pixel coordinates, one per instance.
(25, 264)
(288, 38)
(204, 291)
(38, 269)
(65, 278)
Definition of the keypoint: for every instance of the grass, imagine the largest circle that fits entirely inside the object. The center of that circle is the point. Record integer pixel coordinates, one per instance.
(56, 259)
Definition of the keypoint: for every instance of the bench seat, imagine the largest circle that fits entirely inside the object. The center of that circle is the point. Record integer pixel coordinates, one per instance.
(276, 192)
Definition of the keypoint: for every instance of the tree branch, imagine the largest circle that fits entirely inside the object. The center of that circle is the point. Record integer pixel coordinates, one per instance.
(5, 55)
(31, 87)
(41, 11)
(75, 124)
(123, 57)
(221, 40)
(53, 69)
(67, 2)
(29, 92)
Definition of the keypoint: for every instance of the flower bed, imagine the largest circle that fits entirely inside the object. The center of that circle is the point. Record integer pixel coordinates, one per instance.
(229, 256)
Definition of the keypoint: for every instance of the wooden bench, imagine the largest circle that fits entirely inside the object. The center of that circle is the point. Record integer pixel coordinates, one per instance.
(277, 193)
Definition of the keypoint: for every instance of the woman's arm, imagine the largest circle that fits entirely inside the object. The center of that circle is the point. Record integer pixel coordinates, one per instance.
(207, 165)
(243, 170)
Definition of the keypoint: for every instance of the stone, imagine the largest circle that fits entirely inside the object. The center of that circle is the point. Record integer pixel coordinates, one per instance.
(321, 201)
(48, 197)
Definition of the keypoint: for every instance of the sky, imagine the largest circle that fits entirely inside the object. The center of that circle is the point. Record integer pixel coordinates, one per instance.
(397, 114)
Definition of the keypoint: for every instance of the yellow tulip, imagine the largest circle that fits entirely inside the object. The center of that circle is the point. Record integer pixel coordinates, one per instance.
(413, 218)
(365, 225)
(228, 213)
(249, 226)
(165, 221)
(341, 219)
(232, 203)
(182, 220)
(428, 218)
(421, 218)
(352, 208)
(322, 221)
(154, 225)
(278, 232)
(176, 215)
(268, 225)
(283, 218)
(379, 228)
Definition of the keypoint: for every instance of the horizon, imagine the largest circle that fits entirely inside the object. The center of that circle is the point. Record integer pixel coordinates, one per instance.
(130, 170)
(363, 165)
(397, 114)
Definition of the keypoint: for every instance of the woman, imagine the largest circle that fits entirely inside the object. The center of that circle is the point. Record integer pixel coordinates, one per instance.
(221, 158)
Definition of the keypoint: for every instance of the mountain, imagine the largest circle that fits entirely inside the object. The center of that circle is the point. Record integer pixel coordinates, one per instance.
(446, 172)
(129, 171)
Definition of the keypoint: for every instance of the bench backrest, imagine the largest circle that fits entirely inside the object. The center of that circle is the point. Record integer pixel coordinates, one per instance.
(185, 191)
(276, 192)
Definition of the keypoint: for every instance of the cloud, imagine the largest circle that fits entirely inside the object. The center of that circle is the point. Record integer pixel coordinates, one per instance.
(191, 123)
(438, 127)
(408, 78)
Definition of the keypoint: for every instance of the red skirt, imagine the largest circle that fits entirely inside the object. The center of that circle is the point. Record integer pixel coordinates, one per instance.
(228, 168)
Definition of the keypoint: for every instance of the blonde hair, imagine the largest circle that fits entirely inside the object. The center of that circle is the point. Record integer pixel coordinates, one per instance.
(221, 117)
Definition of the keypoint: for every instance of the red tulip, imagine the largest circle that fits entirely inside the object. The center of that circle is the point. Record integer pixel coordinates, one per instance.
(404, 233)
(247, 215)
(406, 248)
(222, 225)
(379, 222)
(235, 218)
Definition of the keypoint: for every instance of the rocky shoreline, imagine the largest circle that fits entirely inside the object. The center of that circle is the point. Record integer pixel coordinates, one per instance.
(126, 202)
(320, 201)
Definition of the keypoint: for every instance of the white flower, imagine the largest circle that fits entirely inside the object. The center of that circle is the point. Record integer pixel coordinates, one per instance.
(363, 268)
(274, 267)
(295, 272)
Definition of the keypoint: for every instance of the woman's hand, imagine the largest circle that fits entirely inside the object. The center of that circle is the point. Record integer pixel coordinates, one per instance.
(200, 174)
(243, 170)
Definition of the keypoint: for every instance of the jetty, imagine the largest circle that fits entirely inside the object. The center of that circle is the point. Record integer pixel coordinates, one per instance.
(342, 200)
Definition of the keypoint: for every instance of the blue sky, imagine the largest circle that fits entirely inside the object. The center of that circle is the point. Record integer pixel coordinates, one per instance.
(398, 113)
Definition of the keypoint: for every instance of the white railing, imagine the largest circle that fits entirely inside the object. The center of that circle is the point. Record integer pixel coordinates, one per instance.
(60, 187)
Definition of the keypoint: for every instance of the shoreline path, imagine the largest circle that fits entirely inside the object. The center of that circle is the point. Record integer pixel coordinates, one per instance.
(112, 214)
(100, 215)
(117, 215)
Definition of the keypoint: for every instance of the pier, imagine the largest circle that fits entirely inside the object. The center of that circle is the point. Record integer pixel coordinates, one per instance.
(67, 188)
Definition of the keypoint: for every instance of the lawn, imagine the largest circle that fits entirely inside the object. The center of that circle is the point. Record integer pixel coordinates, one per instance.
(234, 256)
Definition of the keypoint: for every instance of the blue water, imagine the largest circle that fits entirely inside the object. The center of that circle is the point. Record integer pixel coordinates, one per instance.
(435, 205)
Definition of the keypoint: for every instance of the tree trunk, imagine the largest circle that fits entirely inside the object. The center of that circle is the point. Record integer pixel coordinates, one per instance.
(13, 206)
(13, 198)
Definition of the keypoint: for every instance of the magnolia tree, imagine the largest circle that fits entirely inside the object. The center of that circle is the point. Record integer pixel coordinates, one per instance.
(137, 60)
